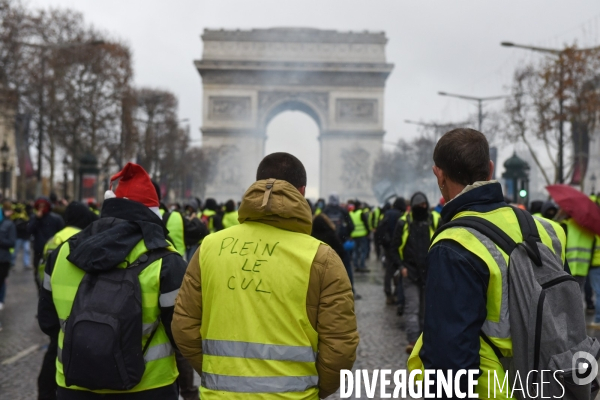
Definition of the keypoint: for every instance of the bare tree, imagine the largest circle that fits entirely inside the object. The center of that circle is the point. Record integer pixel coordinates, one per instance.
(156, 125)
(72, 79)
(544, 97)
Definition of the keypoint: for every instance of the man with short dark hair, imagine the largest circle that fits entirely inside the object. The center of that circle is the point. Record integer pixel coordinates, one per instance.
(283, 164)
(265, 296)
(466, 292)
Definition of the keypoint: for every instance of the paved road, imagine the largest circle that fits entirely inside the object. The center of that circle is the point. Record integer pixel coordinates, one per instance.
(22, 343)
(382, 340)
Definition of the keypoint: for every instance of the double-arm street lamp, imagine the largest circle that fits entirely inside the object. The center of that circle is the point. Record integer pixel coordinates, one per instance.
(479, 101)
(559, 53)
(43, 47)
(438, 129)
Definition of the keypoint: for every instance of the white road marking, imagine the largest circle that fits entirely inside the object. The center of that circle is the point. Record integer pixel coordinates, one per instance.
(21, 354)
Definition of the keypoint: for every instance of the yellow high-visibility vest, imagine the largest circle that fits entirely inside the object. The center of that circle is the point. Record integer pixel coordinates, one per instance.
(161, 369)
(497, 325)
(207, 215)
(407, 218)
(176, 231)
(230, 219)
(580, 247)
(360, 230)
(257, 276)
(52, 244)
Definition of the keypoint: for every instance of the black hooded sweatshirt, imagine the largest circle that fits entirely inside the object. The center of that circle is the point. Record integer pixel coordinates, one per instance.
(417, 245)
(105, 244)
(321, 230)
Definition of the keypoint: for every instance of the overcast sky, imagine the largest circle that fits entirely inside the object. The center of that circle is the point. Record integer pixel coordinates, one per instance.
(443, 45)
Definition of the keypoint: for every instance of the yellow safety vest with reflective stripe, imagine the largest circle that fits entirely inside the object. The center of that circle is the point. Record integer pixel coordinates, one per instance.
(580, 246)
(360, 230)
(52, 244)
(596, 254)
(161, 369)
(497, 324)
(176, 231)
(161, 211)
(375, 217)
(407, 218)
(230, 219)
(257, 276)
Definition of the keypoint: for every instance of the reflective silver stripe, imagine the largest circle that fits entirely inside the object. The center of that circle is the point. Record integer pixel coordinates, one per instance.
(46, 283)
(63, 322)
(153, 353)
(582, 249)
(227, 348)
(159, 351)
(556, 245)
(500, 329)
(168, 299)
(255, 384)
(575, 259)
(148, 328)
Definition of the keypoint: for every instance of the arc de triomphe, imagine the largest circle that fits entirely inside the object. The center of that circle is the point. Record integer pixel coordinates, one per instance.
(338, 78)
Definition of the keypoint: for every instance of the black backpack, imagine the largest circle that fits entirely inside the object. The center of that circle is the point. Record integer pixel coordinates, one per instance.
(336, 215)
(102, 346)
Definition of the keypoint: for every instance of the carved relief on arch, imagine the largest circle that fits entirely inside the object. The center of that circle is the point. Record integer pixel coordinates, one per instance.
(270, 103)
(227, 171)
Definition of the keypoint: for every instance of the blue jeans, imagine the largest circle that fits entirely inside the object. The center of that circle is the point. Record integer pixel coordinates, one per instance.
(189, 252)
(348, 266)
(594, 277)
(25, 245)
(359, 254)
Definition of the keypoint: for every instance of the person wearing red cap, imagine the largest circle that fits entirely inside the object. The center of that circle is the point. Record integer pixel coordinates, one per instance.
(129, 234)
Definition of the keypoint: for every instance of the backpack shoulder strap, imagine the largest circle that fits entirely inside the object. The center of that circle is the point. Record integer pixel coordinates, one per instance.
(531, 236)
(138, 266)
(483, 226)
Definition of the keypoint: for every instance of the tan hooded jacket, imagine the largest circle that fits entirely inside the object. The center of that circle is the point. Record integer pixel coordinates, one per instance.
(329, 301)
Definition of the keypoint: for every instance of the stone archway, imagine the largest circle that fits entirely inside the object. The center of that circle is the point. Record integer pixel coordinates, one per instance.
(337, 78)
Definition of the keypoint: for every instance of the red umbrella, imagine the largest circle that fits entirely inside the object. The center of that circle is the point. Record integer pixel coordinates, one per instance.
(579, 206)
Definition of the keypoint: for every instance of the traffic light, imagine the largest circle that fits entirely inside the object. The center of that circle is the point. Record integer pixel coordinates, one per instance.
(523, 193)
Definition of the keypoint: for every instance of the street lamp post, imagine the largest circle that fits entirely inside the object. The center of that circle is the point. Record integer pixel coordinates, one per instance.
(437, 128)
(65, 163)
(4, 154)
(43, 47)
(479, 101)
(559, 53)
